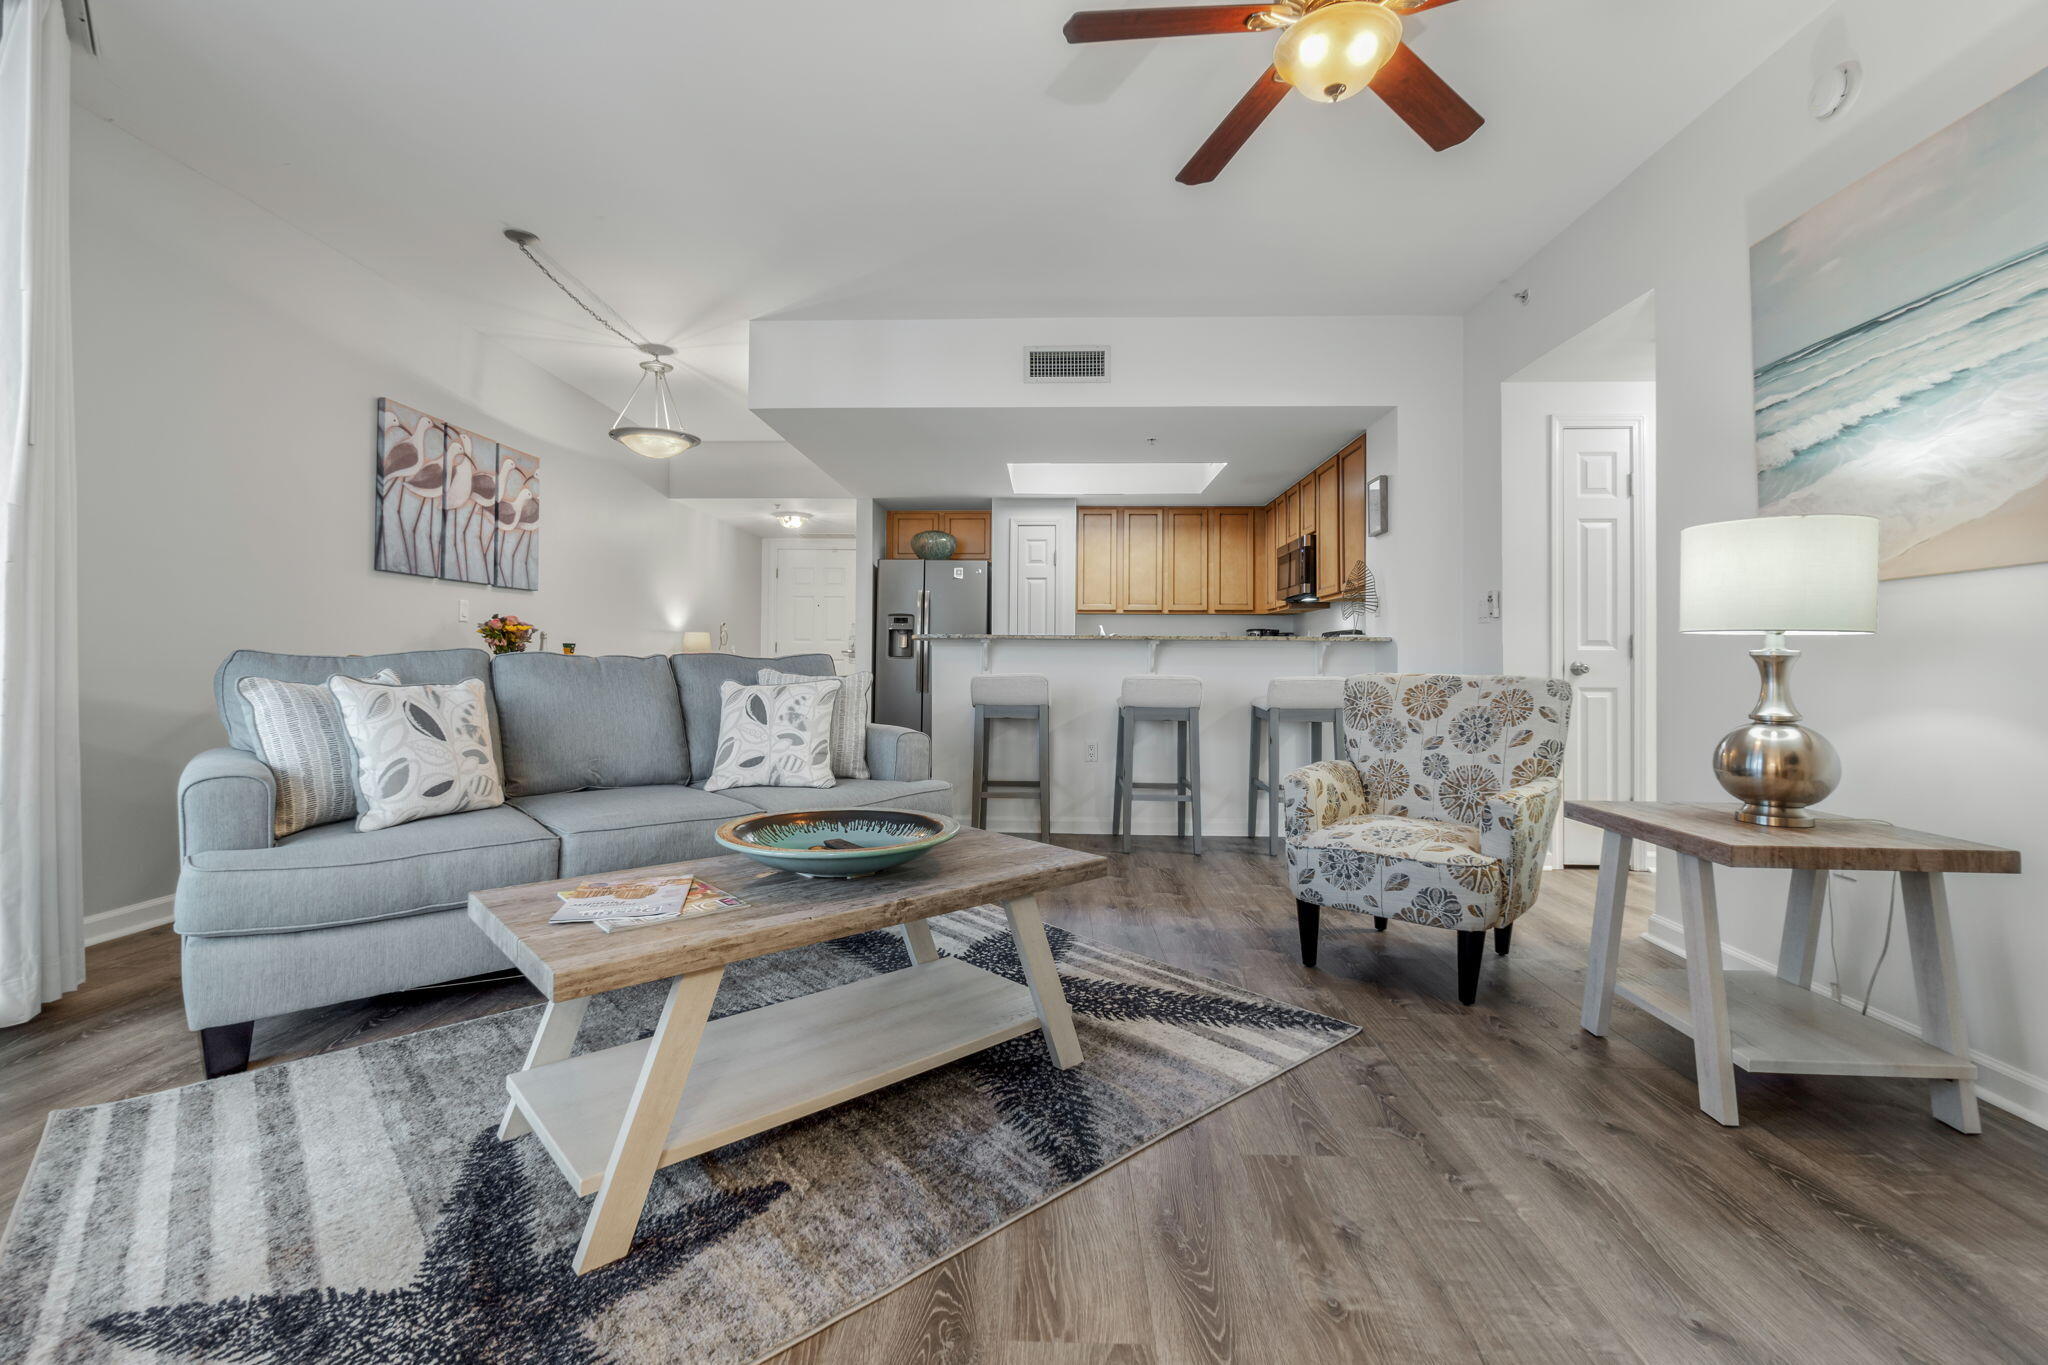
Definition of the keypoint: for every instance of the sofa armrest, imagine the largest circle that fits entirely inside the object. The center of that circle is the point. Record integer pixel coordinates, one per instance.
(1514, 827)
(896, 754)
(1322, 794)
(227, 799)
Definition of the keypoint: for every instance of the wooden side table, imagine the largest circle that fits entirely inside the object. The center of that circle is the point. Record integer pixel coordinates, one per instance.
(1764, 1022)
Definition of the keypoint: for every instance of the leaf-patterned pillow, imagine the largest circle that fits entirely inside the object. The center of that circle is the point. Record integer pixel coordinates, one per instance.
(774, 735)
(420, 751)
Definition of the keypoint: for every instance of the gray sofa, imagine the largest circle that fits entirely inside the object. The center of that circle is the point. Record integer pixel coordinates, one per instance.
(603, 759)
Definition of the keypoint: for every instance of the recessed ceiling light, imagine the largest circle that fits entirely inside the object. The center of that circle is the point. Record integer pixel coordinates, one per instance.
(1111, 480)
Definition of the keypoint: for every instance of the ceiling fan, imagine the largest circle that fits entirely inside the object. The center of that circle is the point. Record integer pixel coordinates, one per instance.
(1329, 50)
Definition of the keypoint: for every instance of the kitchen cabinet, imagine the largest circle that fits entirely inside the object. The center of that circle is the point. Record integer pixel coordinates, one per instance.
(970, 528)
(1141, 559)
(1187, 559)
(1096, 575)
(1351, 504)
(1232, 560)
(1330, 563)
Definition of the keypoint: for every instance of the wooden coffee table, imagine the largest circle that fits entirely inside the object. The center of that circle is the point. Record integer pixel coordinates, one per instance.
(610, 1119)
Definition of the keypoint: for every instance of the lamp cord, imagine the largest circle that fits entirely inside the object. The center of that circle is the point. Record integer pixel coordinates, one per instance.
(1891, 913)
(574, 298)
(1834, 952)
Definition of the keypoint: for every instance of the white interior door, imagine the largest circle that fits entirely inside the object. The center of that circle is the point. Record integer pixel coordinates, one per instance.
(811, 602)
(1593, 605)
(1034, 576)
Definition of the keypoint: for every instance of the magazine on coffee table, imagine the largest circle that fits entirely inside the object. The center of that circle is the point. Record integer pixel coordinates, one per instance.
(630, 902)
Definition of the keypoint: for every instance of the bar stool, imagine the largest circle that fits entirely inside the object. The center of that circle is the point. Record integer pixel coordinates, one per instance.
(1159, 696)
(1012, 696)
(1314, 702)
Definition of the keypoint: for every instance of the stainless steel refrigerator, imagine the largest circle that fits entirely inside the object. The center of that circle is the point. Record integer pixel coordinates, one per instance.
(916, 597)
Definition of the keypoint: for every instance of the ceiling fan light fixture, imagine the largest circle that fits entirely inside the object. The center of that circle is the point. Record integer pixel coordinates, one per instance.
(659, 439)
(1335, 50)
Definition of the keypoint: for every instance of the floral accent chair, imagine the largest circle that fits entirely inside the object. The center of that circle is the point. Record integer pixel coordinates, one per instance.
(1441, 812)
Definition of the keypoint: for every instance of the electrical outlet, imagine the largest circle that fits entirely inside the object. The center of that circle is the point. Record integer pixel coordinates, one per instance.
(1093, 752)
(462, 610)
(1489, 607)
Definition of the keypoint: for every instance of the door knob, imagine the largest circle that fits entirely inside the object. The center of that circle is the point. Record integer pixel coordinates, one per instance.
(1580, 669)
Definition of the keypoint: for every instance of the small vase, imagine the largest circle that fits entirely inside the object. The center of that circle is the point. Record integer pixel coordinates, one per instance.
(933, 545)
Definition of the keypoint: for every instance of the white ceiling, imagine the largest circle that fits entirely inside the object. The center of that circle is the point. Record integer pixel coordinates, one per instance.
(701, 165)
(963, 454)
(756, 516)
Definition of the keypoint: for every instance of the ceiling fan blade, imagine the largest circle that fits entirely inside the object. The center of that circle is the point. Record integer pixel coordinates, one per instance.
(1423, 101)
(1239, 124)
(1408, 7)
(1170, 21)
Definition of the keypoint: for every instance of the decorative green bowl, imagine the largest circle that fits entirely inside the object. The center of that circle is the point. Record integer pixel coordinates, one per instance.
(836, 843)
(933, 545)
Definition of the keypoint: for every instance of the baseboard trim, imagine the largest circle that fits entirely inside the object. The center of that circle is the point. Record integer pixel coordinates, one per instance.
(124, 920)
(2017, 1092)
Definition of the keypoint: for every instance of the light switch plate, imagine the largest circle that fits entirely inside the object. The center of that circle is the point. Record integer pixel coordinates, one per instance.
(462, 609)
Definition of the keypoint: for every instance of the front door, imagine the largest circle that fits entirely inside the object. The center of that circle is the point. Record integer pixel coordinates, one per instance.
(1593, 608)
(810, 607)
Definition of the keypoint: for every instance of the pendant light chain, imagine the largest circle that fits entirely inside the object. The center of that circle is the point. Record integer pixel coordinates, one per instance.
(526, 250)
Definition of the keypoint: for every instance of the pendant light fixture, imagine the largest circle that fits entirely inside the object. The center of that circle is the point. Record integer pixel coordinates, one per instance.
(659, 438)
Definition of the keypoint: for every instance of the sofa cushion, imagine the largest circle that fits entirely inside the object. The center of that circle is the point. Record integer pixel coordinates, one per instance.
(700, 676)
(622, 827)
(572, 721)
(929, 795)
(332, 874)
(413, 666)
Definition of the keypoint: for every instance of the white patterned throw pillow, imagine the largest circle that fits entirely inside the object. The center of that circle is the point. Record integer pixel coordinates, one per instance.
(420, 751)
(849, 719)
(775, 735)
(300, 738)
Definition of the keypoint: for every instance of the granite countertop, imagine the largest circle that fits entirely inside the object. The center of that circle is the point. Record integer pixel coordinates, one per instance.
(1213, 639)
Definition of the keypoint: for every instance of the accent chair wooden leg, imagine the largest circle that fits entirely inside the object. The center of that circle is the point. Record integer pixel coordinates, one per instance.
(1379, 923)
(1471, 951)
(1501, 937)
(1311, 917)
(226, 1048)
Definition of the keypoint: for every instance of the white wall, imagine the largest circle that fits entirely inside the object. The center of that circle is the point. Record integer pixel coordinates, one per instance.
(228, 373)
(1938, 716)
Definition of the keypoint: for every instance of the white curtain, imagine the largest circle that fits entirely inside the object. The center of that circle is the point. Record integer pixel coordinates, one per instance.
(42, 949)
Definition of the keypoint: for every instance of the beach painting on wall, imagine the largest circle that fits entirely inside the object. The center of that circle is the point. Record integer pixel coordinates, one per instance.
(443, 506)
(1901, 342)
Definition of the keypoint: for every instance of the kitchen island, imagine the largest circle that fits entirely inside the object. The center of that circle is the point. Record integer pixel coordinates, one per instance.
(1086, 673)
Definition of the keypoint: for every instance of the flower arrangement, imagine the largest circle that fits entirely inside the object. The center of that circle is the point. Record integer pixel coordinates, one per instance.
(506, 634)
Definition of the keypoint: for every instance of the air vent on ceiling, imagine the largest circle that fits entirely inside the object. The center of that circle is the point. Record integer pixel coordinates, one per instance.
(1066, 365)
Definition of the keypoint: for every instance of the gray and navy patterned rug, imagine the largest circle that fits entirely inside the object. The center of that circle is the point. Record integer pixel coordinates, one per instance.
(357, 1207)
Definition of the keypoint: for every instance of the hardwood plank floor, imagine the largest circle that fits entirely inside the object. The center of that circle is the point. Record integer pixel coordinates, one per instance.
(1454, 1184)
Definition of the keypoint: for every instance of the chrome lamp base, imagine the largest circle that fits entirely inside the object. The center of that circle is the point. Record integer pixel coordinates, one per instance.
(1775, 766)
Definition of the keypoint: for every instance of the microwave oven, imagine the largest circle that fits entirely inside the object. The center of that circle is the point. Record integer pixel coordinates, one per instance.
(1297, 570)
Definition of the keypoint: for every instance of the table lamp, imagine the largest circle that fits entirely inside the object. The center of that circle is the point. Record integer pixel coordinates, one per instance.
(1778, 576)
(696, 642)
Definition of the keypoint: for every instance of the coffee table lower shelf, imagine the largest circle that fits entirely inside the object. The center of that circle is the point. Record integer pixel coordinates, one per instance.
(1780, 1027)
(768, 1066)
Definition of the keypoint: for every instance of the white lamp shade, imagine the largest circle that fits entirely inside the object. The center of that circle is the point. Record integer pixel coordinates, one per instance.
(1799, 575)
(696, 641)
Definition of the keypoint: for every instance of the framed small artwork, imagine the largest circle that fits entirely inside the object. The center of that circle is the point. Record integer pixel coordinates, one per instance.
(1376, 506)
(452, 504)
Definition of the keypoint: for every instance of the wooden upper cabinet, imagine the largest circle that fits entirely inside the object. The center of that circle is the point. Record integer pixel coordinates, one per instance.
(1233, 567)
(969, 528)
(1143, 558)
(1330, 563)
(1095, 574)
(1351, 504)
(904, 525)
(1187, 559)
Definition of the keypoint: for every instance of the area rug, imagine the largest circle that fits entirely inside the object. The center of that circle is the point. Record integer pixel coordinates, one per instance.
(357, 1206)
